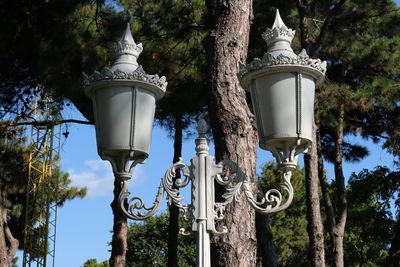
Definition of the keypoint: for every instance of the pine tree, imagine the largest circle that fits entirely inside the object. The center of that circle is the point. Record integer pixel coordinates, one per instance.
(14, 157)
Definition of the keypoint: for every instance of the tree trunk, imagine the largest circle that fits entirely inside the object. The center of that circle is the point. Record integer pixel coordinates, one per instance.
(173, 227)
(394, 252)
(341, 191)
(314, 226)
(336, 225)
(329, 210)
(8, 244)
(120, 231)
(265, 247)
(232, 123)
(3, 245)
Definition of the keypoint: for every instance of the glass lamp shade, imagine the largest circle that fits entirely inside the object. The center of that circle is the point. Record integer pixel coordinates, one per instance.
(124, 115)
(124, 99)
(284, 107)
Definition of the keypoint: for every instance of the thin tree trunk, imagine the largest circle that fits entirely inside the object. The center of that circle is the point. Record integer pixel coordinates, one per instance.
(323, 179)
(311, 161)
(232, 123)
(336, 226)
(394, 252)
(314, 226)
(341, 191)
(173, 227)
(265, 247)
(8, 244)
(3, 245)
(120, 231)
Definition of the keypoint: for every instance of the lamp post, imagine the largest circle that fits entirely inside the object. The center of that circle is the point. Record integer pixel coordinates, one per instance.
(282, 87)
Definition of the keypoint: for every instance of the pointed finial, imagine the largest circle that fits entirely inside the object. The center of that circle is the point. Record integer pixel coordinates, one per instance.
(127, 45)
(278, 32)
(278, 23)
(127, 36)
(127, 52)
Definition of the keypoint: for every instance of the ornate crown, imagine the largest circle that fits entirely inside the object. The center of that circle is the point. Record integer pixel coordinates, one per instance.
(278, 32)
(127, 46)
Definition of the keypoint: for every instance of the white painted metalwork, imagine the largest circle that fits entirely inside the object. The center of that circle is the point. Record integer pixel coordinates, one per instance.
(204, 211)
(282, 87)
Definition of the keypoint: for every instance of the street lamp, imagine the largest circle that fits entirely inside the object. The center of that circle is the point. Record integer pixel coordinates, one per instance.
(282, 87)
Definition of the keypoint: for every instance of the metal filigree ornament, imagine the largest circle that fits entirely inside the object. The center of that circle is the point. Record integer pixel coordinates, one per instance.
(202, 174)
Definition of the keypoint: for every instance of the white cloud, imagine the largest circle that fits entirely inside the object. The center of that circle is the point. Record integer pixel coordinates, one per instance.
(99, 179)
(98, 165)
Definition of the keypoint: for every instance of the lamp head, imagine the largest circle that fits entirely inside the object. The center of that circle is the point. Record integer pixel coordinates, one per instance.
(282, 86)
(124, 98)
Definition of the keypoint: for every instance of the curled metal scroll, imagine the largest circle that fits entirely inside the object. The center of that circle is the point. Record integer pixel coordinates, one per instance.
(271, 202)
(136, 209)
(273, 197)
(232, 192)
(135, 204)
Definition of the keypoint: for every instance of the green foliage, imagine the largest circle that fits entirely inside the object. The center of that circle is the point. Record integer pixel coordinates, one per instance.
(93, 263)
(369, 226)
(147, 244)
(13, 169)
(289, 227)
(14, 159)
(50, 43)
(362, 51)
(380, 185)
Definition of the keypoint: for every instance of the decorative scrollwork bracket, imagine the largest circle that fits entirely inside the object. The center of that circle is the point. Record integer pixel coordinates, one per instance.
(203, 173)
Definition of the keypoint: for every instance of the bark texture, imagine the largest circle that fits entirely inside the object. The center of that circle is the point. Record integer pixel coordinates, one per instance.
(8, 244)
(314, 226)
(173, 227)
(329, 209)
(265, 246)
(119, 242)
(3, 246)
(232, 123)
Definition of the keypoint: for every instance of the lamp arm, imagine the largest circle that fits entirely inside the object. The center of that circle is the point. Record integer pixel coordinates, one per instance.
(136, 209)
(173, 194)
(271, 196)
(132, 207)
(270, 203)
(232, 191)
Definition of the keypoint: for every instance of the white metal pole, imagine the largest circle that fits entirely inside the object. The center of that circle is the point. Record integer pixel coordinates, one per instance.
(203, 237)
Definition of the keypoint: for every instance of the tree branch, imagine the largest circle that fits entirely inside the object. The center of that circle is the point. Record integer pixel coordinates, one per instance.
(303, 9)
(316, 47)
(41, 123)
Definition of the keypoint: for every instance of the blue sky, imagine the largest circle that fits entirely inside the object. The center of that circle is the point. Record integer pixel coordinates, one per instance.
(84, 225)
